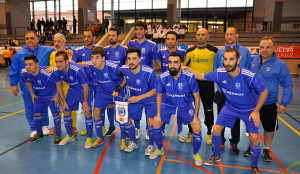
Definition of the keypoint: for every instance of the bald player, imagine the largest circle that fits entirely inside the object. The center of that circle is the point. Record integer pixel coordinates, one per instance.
(201, 59)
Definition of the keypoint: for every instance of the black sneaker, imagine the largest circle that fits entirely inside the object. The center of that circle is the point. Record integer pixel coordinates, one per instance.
(266, 155)
(247, 153)
(110, 131)
(57, 139)
(254, 170)
(36, 137)
(234, 148)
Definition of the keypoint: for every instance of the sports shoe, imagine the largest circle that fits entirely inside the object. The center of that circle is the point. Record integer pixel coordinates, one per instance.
(266, 155)
(98, 142)
(189, 138)
(137, 133)
(181, 137)
(149, 150)
(123, 144)
(234, 148)
(146, 135)
(157, 153)
(84, 132)
(208, 139)
(103, 130)
(210, 161)
(88, 143)
(198, 159)
(223, 145)
(57, 139)
(254, 170)
(36, 137)
(110, 131)
(52, 132)
(45, 130)
(66, 140)
(247, 153)
(33, 133)
(131, 147)
(74, 131)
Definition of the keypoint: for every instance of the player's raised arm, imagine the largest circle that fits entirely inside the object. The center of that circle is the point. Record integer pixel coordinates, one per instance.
(198, 75)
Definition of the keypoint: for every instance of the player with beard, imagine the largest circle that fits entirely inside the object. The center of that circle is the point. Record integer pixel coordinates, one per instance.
(181, 91)
(240, 86)
(117, 54)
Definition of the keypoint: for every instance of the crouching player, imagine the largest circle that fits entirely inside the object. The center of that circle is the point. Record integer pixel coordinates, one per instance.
(75, 76)
(45, 95)
(106, 75)
(240, 86)
(181, 89)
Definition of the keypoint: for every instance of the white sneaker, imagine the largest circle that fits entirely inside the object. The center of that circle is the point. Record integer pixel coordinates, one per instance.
(181, 137)
(149, 150)
(45, 130)
(66, 140)
(131, 147)
(156, 153)
(137, 133)
(33, 133)
(146, 135)
(198, 159)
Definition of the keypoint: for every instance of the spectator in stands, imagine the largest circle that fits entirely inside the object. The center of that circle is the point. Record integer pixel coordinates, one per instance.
(176, 25)
(161, 36)
(74, 24)
(91, 27)
(39, 27)
(176, 29)
(169, 29)
(32, 25)
(6, 57)
(14, 42)
(121, 24)
(43, 23)
(12, 52)
(51, 23)
(105, 23)
(47, 24)
(97, 30)
(8, 42)
(149, 33)
(155, 37)
(164, 30)
(181, 32)
(60, 23)
(55, 24)
(154, 26)
(43, 38)
(64, 23)
(69, 35)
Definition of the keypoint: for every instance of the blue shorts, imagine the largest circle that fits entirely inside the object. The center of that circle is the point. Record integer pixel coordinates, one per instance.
(228, 116)
(41, 105)
(186, 112)
(102, 99)
(135, 110)
(74, 97)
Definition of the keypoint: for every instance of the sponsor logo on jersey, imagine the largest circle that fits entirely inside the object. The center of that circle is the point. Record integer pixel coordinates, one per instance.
(200, 60)
(237, 85)
(180, 86)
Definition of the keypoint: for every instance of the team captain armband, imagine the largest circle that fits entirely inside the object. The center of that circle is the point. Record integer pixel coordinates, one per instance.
(118, 88)
(121, 74)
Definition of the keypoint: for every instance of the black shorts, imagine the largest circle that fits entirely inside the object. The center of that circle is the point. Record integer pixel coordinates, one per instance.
(268, 117)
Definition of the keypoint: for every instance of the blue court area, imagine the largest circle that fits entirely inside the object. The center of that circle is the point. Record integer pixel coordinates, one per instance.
(19, 156)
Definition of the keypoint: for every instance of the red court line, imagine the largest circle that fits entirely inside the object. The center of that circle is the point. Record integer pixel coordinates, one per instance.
(247, 168)
(0, 98)
(274, 156)
(161, 163)
(178, 156)
(104, 152)
(221, 167)
(172, 133)
(177, 161)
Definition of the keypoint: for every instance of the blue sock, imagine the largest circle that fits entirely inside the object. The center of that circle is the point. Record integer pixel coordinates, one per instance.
(89, 126)
(38, 124)
(131, 132)
(123, 132)
(98, 125)
(158, 138)
(103, 117)
(57, 122)
(151, 136)
(197, 139)
(137, 124)
(216, 141)
(179, 124)
(255, 152)
(162, 128)
(111, 115)
(68, 124)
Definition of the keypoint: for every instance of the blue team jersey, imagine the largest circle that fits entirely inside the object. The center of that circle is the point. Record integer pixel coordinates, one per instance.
(140, 83)
(43, 83)
(116, 55)
(177, 92)
(148, 51)
(75, 77)
(241, 91)
(163, 55)
(108, 78)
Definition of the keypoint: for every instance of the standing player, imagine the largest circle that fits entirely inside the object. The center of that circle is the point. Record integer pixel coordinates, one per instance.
(181, 90)
(231, 38)
(273, 72)
(141, 81)
(59, 45)
(201, 58)
(45, 95)
(148, 55)
(75, 76)
(117, 54)
(18, 63)
(241, 87)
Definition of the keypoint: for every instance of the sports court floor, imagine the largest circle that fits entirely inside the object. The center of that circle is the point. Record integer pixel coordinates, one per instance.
(19, 156)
